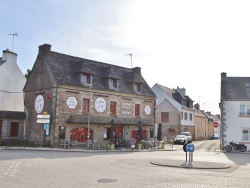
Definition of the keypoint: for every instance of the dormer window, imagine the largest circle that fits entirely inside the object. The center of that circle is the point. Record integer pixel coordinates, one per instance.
(113, 83)
(85, 78)
(138, 87)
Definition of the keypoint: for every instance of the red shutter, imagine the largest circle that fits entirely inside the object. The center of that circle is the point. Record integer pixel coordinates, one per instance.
(85, 106)
(14, 129)
(137, 110)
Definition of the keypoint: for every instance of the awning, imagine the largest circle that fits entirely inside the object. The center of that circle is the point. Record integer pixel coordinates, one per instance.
(97, 119)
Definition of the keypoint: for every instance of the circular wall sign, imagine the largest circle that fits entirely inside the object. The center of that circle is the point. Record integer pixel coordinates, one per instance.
(39, 104)
(100, 104)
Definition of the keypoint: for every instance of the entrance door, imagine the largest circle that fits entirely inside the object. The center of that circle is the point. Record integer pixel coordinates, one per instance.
(80, 134)
(144, 133)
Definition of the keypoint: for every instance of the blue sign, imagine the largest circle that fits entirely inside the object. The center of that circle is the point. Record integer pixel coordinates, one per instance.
(132, 141)
(190, 148)
(46, 128)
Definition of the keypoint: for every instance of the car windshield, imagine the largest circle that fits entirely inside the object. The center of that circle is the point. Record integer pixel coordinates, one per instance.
(186, 134)
(180, 136)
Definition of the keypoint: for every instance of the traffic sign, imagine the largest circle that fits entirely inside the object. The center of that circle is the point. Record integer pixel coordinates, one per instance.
(43, 120)
(132, 141)
(216, 124)
(190, 148)
(43, 116)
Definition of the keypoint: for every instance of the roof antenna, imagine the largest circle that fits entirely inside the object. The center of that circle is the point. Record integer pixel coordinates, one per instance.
(130, 58)
(14, 34)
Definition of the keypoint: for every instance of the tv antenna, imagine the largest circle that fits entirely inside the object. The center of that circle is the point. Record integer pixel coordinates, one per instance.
(14, 34)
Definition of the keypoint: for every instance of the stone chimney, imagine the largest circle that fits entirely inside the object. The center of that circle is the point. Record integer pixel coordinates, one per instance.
(197, 106)
(181, 90)
(9, 56)
(223, 76)
(44, 50)
(137, 69)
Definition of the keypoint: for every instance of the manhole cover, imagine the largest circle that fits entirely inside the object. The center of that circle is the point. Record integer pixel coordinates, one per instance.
(106, 180)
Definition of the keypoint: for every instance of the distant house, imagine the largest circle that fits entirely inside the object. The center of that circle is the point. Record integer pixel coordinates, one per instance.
(200, 124)
(12, 113)
(235, 109)
(174, 110)
(73, 98)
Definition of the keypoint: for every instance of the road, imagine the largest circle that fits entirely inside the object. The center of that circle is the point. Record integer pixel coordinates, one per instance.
(23, 168)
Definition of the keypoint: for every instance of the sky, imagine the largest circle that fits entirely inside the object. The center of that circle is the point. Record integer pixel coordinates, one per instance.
(178, 43)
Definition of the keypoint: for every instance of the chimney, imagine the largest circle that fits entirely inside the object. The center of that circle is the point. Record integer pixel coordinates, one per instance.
(223, 76)
(44, 49)
(137, 69)
(9, 56)
(197, 106)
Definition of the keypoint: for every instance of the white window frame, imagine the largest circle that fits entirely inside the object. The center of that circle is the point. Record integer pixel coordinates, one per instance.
(246, 136)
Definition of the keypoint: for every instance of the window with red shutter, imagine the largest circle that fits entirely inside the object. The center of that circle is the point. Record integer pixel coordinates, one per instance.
(137, 110)
(113, 108)
(85, 106)
(14, 129)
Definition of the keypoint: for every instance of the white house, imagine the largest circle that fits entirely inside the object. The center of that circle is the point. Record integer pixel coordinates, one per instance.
(12, 82)
(235, 110)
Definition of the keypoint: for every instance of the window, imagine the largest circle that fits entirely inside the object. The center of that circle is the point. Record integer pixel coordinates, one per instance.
(113, 83)
(246, 134)
(138, 87)
(137, 110)
(85, 106)
(185, 116)
(190, 117)
(181, 115)
(244, 110)
(164, 117)
(85, 78)
(1, 122)
(113, 108)
(14, 129)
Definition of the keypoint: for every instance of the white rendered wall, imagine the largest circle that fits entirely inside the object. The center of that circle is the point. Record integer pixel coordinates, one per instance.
(12, 82)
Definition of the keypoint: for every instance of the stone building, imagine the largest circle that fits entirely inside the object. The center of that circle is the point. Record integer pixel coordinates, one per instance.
(68, 96)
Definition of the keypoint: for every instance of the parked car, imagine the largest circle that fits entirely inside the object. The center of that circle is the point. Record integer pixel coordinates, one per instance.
(215, 137)
(188, 136)
(180, 139)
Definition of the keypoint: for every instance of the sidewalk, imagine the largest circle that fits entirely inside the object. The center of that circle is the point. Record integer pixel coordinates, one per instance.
(166, 148)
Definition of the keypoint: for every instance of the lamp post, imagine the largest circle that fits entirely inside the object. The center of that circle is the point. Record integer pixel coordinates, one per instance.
(88, 117)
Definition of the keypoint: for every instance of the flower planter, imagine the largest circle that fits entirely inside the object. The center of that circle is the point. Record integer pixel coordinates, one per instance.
(139, 146)
(111, 146)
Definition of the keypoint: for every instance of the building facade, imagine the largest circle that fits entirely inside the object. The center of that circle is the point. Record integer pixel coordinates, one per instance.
(12, 114)
(72, 98)
(174, 110)
(235, 110)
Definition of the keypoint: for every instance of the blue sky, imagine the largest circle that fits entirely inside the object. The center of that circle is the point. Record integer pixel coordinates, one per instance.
(176, 43)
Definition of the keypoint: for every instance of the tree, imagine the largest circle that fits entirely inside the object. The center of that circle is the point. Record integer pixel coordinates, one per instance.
(28, 73)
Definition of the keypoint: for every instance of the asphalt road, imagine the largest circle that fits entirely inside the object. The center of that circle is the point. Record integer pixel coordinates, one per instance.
(23, 168)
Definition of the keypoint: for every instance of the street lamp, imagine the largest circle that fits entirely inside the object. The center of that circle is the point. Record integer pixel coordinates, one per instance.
(88, 117)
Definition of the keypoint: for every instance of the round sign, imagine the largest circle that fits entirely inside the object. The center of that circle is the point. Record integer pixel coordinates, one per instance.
(39, 104)
(132, 141)
(216, 124)
(190, 148)
(100, 104)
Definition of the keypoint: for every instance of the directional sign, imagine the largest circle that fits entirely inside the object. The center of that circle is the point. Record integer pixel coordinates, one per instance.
(190, 148)
(43, 116)
(43, 120)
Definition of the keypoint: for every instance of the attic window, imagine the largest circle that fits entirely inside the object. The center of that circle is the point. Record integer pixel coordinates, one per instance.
(85, 78)
(113, 83)
(138, 87)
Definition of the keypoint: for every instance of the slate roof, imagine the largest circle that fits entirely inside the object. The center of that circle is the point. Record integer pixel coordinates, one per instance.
(79, 118)
(64, 69)
(12, 115)
(235, 88)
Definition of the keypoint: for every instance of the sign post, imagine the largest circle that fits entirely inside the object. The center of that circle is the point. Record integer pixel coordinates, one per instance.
(132, 143)
(190, 150)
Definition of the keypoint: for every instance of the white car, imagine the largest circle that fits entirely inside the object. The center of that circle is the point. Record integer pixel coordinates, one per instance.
(180, 139)
(188, 136)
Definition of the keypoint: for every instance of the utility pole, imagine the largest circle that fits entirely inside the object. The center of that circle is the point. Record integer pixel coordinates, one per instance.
(130, 58)
(14, 34)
